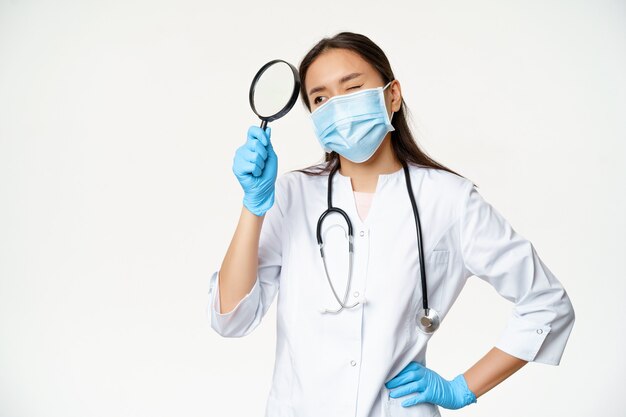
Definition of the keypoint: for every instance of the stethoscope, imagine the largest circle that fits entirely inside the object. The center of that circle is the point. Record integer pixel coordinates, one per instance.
(428, 318)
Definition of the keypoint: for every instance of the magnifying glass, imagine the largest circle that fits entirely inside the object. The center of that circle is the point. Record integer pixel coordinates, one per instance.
(274, 90)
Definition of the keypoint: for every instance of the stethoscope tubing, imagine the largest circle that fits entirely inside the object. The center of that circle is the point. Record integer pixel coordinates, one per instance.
(332, 209)
(418, 226)
(320, 242)
(428, 319)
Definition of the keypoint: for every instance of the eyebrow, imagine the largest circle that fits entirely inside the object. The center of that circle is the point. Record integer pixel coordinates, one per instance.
(343, 79)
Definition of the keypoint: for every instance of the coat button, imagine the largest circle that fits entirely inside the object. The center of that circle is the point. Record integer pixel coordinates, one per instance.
(353, 363)
(362, 233)
(539, 331)
(356, 294)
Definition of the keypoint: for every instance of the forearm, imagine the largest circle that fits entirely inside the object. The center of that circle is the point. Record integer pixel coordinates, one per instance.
(240, 265)
(490, 370)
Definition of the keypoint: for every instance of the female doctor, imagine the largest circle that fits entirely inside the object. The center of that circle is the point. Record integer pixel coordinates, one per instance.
(351, 328)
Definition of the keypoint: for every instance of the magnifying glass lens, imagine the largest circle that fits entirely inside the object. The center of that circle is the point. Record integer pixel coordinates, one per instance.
(273, 89)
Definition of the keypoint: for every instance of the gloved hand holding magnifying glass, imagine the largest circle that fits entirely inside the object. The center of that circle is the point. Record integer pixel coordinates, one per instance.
(273, 92)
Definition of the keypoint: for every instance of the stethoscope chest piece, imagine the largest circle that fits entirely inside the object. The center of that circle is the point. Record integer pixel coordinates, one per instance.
(428, 320)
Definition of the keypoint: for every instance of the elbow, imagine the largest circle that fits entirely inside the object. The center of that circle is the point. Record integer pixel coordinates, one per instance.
(570, 313)
(564, 314)
(238, 322)
(567, 308)
(232, 325)
(229, 332)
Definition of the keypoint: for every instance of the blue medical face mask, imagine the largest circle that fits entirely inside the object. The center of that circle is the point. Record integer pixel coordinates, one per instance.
(353, 125)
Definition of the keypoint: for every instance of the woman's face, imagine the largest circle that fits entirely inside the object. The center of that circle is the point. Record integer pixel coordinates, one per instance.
(342, 71)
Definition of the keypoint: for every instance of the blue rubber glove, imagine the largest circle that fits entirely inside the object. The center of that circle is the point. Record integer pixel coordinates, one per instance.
(430, 388)
(255, 165)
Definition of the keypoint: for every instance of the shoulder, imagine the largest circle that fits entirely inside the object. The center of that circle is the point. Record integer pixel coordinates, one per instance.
(443, 181)
(294, 184)
(294, 179)
(435, 174)
(442, 186)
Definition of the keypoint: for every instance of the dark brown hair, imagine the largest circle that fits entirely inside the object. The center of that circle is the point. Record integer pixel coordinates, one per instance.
(403, 143)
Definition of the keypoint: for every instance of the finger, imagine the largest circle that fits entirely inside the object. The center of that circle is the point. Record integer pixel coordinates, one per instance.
(251, 143)
(268, 135)
(253, 168)
(239, 162)
(257, 133)
(255, 146)
(415, 368)
(412, 366)
(416, 399)
(260, 149)
(270, 151)
(405, 369)
(247, 166)
(251, 156)
(403, 379)
(243, 168)
(259, 161)
(405, 389)
(421, 384)
(255, 157)
(408, 376)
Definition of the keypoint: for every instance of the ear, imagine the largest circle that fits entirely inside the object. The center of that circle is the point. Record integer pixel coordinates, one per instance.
(396, 95)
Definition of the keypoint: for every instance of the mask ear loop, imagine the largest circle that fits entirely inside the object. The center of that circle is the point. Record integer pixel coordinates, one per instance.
(393, 112)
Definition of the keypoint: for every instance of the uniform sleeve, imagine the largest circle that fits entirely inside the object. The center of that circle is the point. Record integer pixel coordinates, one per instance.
(248, 313)
(543, 316)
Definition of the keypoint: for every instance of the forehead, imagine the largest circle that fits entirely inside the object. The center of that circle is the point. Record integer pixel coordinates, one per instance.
(333, 64)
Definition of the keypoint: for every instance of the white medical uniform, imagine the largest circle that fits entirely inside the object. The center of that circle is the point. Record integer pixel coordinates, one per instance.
(335, 365)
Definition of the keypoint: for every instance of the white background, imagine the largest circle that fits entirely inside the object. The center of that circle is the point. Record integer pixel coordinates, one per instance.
(118, 124)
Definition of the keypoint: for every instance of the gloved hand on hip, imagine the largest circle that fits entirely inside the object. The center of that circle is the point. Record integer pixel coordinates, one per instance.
(255, 165)
(430, 387)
